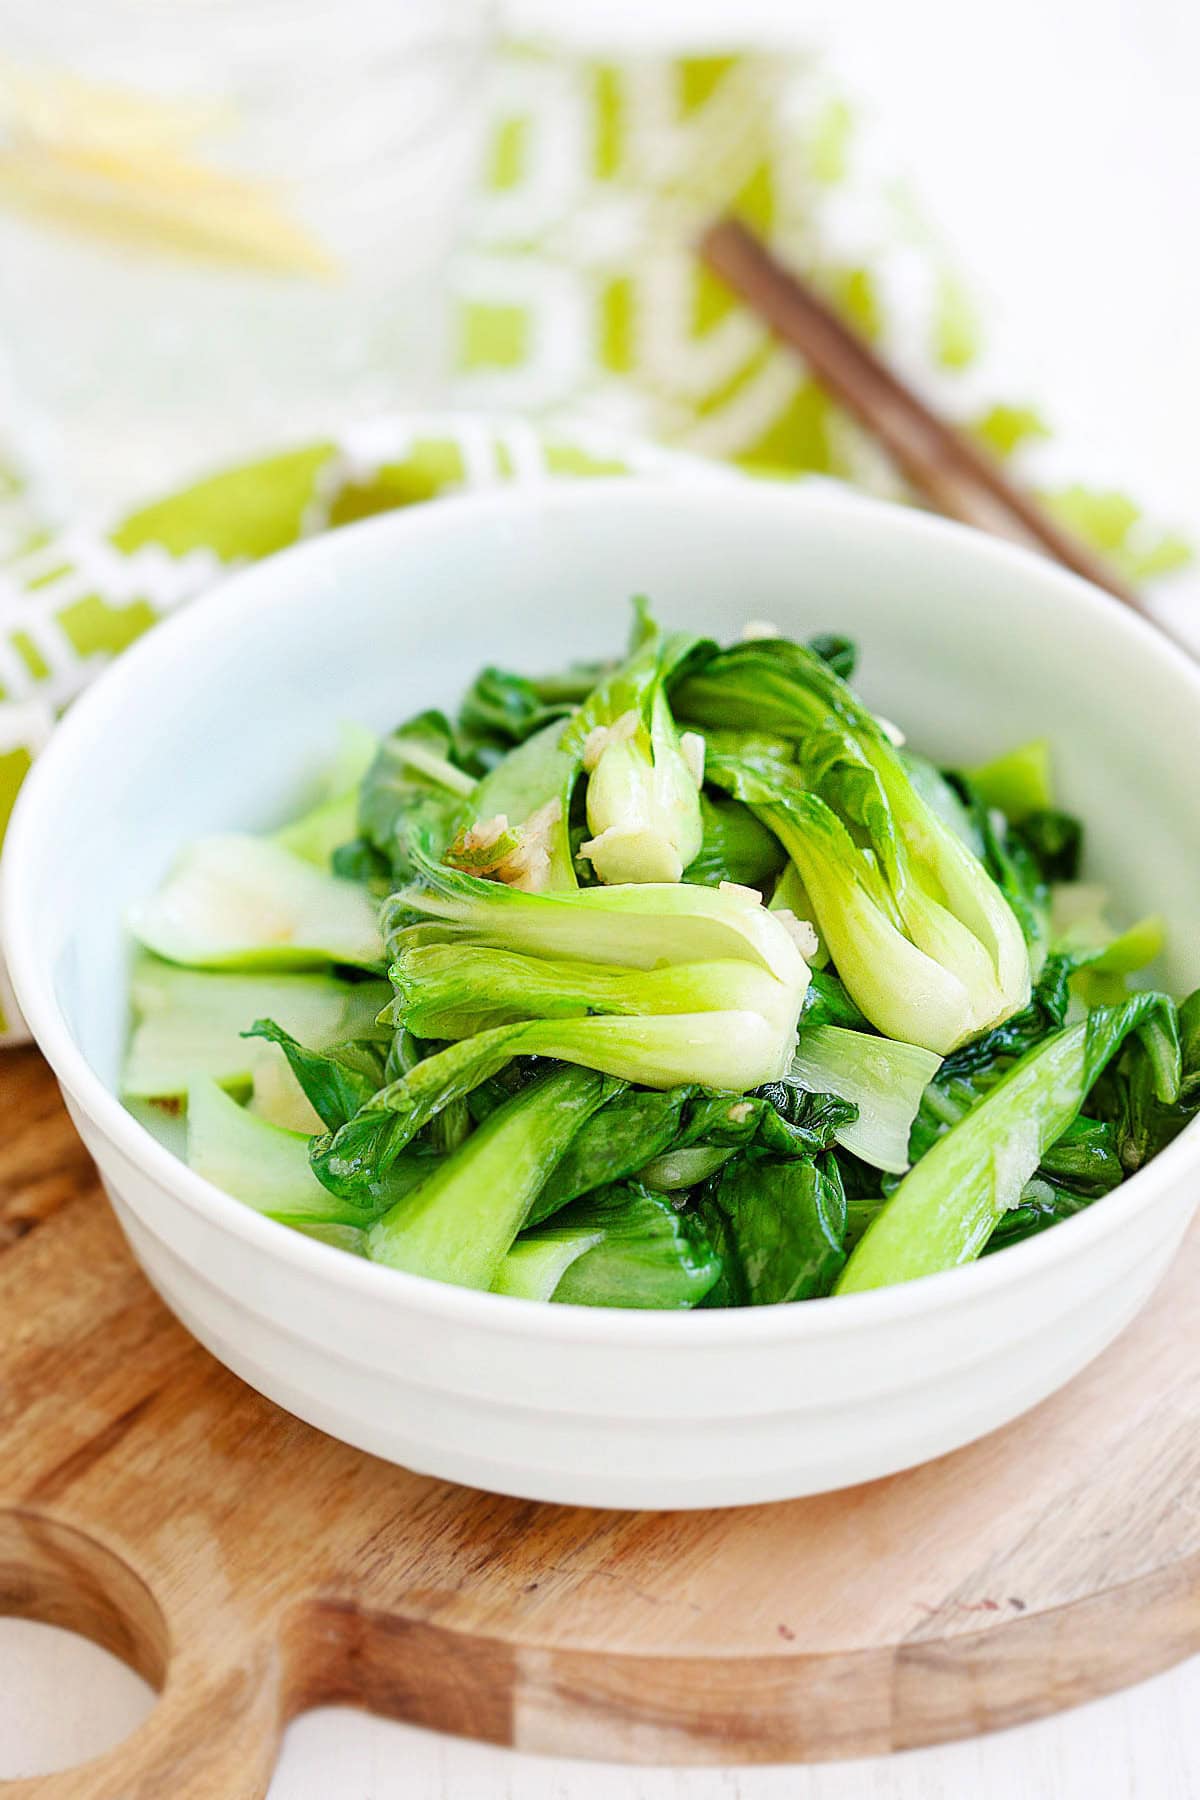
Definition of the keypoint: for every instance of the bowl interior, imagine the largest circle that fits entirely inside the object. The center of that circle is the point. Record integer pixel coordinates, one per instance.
(223, 719)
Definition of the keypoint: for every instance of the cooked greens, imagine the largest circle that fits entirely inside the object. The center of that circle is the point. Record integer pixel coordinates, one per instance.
(921, 935)
(946, 1209)
(675, 981)
(189, 1022)
(241, 902)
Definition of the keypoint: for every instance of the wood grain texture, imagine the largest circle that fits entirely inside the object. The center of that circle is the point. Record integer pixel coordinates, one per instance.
(253, 1568)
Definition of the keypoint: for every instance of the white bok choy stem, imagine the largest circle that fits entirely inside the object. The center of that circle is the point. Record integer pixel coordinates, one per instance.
(883, 1077)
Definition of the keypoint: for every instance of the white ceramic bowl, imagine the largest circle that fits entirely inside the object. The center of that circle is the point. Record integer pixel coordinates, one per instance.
(215, 720)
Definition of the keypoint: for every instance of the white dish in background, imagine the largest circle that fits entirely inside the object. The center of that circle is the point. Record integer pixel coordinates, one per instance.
(211, 722)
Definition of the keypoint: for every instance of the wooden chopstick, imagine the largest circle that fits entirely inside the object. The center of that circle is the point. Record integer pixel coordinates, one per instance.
(949, 468)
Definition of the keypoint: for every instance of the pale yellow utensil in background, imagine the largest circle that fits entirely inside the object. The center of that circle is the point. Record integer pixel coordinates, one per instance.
(123, 165)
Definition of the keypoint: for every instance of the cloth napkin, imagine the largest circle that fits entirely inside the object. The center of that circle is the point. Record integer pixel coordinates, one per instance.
(586, 334)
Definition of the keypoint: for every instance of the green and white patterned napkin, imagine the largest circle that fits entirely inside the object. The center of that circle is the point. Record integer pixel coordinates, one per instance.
(580, 306)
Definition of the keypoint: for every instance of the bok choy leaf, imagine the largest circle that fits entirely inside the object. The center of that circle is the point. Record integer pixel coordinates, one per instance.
(921, 935)
(947, 1207)
(189, 1023)
(779, 1228)
(239, 902)
(623, 1245)
(458, 1225)
(884, 1079)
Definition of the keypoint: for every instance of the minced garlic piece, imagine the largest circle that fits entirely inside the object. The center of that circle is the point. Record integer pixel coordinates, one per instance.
(600, 737)
(522, 857)
(692, 748)
(801, 931)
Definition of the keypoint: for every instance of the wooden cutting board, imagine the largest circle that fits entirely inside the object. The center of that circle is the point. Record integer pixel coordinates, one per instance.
(251, 1568)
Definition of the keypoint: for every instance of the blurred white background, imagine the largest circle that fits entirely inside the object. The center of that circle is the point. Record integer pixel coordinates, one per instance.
(1056, 143)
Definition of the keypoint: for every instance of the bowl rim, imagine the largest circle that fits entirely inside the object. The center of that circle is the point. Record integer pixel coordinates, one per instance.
(157, 655)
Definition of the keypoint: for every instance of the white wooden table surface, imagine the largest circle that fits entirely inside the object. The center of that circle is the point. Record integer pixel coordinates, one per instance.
(1057, 142)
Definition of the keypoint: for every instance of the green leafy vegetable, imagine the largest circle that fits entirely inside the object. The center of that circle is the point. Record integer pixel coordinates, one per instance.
(453, 990)
(1143, 1121)
(779, 1228)
(971, 1072)
(1037, 1212)
(267, 1166)
(735, 847)
(240, 902)
(1086, 1157)
(414, 793)
(700, 985)
(883, 1078)
(724, 1048)
(943, 798)
(945, 1210)
(188, 1023)
(903, 986)
(1017, 783)
(642, 790)
(639, 1131)
(1027, 845)
(827, 1003)
(640, 926)
(676, 1170)
(520, 815)
(921, 936)
(537, 1263)
(337, 1080)
(1054, 840)
(1074, 1173)
(627, 1247)
(841, 653)
(263, 1165)
(458, 1225)
(500, 710)
(643, 786)
(1019, 871)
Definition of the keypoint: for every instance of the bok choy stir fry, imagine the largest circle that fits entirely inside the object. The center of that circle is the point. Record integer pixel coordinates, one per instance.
(680, 981)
